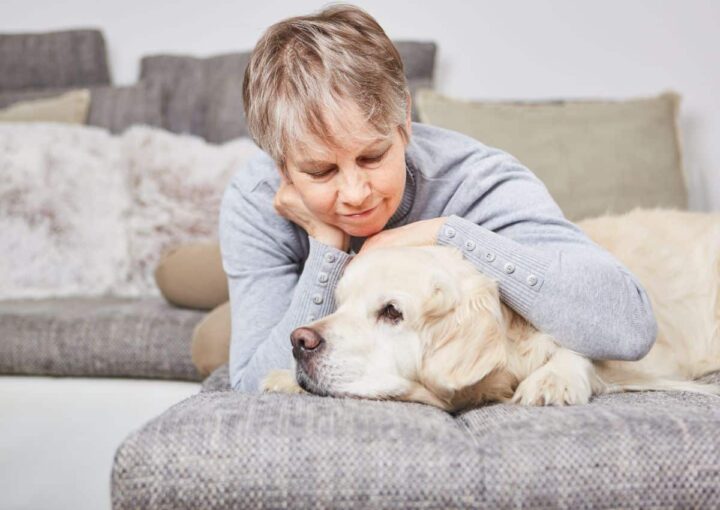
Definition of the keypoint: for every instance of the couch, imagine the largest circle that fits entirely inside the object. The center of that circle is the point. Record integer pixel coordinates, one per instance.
(179, 440)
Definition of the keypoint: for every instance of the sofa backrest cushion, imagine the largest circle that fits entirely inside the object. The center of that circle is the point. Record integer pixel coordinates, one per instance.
(60, 59)
(203, 96)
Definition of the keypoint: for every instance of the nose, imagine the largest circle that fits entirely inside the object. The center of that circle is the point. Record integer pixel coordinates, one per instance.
(355, 190)
(306, 341)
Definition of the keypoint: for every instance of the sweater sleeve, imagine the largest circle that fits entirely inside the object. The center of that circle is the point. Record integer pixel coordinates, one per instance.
(272, 289)
(508, 226)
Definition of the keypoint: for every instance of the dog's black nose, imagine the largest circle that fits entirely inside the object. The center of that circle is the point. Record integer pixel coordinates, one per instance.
(306, 339)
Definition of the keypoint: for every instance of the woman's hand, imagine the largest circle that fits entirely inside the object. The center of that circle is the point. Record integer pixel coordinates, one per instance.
(290, 205)
(419, 233)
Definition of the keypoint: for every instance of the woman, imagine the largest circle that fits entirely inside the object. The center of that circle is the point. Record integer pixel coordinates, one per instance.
(343, 170)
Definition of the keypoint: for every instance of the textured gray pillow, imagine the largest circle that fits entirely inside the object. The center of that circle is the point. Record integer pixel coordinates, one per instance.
(62, 59)
(112, 108)
(203, 96)
(117, 108)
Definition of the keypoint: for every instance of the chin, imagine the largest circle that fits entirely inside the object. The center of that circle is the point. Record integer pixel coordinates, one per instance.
(363, 230)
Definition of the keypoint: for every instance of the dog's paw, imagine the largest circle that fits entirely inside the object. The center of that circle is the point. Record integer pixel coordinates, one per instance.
(281, 381)
(546, 387)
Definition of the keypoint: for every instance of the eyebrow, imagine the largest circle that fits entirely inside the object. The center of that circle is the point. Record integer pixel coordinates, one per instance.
(313, 162)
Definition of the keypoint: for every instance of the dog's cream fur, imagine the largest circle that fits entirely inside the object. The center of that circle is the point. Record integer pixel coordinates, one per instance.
(457, 345)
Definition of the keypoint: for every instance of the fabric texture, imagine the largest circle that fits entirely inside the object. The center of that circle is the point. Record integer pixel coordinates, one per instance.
(118, 108)
(211, 340)
(62, 199)
(595, 157)
(176, 183)
(112, 108)
(203, 96)
(89, 213)
(191, 276)
(66, 58)
(69, 108)
(97, 337)
(218, 380)
(499, 214)
(227, 449)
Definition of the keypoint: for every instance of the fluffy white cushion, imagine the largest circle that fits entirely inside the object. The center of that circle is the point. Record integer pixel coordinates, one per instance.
(62, 196)
(84, 212)
(176, 184)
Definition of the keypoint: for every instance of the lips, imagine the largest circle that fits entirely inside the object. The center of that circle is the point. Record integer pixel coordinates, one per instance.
(367, 211)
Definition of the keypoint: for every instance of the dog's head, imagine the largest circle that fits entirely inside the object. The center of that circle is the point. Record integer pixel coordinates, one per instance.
(412, 323)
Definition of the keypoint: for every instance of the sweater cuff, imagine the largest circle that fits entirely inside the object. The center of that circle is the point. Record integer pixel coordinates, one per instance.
(323, 269)
(518, 269)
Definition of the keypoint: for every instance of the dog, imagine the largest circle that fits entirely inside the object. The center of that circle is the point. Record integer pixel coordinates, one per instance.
(422, 324)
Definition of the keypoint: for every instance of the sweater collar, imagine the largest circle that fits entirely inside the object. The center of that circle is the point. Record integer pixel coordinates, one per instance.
(408, 196)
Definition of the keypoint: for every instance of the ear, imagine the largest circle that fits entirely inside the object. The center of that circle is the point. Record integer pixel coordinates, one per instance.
(444, 297)
(469, 342)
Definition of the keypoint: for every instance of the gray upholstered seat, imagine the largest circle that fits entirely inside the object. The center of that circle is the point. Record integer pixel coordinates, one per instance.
(226, 449)
(97, 337)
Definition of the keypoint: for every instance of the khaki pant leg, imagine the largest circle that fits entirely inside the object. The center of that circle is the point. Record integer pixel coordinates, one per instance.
(211, 340)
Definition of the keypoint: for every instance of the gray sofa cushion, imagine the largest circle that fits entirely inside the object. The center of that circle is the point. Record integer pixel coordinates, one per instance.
(203, 96)
(218, 380)
(61, 59)
(97, 337)
(112, 108)
(226, 449)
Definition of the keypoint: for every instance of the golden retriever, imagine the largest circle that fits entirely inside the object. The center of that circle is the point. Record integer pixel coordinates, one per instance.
(423, 324)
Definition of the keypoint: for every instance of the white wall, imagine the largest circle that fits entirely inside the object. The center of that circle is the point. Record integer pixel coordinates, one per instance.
(487, 49)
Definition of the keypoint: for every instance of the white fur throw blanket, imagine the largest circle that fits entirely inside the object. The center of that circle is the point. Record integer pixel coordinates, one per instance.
(84, 212)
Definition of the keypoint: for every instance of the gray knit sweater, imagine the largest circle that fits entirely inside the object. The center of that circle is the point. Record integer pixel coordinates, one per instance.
(500, 215)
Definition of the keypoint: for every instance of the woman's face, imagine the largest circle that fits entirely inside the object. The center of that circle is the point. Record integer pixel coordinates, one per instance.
(366, 175)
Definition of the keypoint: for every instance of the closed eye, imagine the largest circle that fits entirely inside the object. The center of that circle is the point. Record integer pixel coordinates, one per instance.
(365, 160)
(390, 313)
(374, 159)
(322, 174)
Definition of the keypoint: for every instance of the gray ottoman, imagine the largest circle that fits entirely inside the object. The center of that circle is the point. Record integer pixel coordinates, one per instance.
(226, 449)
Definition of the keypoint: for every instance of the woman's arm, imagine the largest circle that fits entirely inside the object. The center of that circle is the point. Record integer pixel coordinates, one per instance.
(272, 291)
(548, 270)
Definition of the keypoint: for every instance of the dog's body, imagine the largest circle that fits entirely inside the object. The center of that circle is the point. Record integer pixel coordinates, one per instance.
(460, 346)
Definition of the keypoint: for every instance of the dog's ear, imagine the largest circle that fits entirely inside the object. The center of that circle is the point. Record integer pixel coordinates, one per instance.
(465, 335)
(444, 297)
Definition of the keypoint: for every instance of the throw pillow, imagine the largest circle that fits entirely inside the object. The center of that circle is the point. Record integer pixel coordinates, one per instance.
(70, 108)
(112, 108)
(192, 276)
(595, 157)
(176, 184)
(203, 96)
(62, 199)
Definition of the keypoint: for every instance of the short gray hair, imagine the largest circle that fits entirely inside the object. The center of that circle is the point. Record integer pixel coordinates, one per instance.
(303, 69)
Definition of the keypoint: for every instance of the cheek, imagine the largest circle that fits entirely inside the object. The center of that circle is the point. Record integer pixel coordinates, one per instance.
(319, 200)
(390, 183)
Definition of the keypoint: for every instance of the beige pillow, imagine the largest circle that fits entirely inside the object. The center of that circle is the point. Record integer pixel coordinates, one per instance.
(71, 108)
(192, 276)
(593, 156)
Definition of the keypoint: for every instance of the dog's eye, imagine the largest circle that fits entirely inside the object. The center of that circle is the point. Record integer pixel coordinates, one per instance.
(390, 313)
